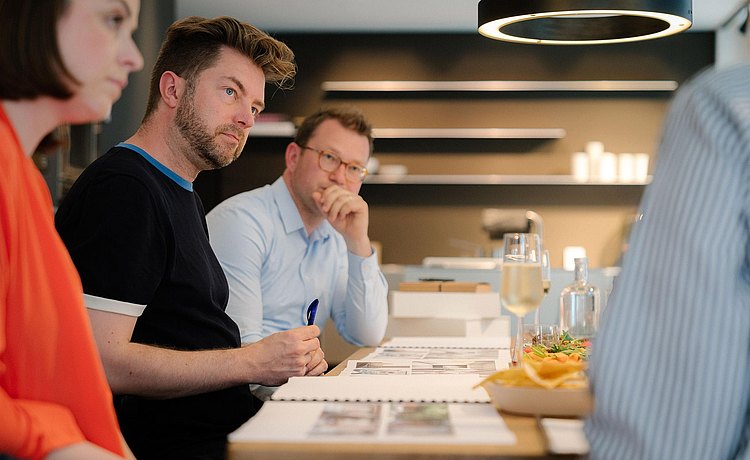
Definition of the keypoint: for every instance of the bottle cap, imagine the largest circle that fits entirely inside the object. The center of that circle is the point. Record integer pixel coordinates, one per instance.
(569, 255)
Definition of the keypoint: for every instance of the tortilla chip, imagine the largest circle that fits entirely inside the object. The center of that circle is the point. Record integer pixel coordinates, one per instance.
(550, 373)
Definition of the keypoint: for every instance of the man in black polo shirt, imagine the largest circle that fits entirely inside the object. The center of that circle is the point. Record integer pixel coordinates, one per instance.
(137, 234)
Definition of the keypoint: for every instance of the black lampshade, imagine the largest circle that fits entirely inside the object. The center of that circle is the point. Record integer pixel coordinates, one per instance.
(582, 22)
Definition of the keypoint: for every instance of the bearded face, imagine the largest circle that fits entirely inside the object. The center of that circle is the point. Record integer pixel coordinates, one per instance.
(206, 143)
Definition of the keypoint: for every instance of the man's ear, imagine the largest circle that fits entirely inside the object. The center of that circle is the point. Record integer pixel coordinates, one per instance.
(172, 88)
(292, 155)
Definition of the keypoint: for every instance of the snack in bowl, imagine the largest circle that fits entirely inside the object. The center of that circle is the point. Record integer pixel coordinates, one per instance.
(554, 386)
(567, 345)
(553, 371)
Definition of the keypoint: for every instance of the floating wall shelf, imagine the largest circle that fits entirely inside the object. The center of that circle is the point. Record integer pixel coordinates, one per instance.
(468, 133)
(488, 179)
(273, 129)
(498, 85)
(285, 129)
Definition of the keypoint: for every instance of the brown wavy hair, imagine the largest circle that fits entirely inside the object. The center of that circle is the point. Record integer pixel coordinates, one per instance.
(193, 44)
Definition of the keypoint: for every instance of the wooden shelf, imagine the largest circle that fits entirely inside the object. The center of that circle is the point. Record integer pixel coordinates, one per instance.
(273, 129)
(468, 133)
(287, 129)
(489, 179)
(499, 86)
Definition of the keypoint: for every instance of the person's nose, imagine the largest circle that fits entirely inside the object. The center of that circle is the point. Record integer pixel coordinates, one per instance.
(131, 56)
(338, 175)
(244, 116)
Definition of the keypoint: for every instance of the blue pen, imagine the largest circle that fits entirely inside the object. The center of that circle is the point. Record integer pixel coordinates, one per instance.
(311, 310)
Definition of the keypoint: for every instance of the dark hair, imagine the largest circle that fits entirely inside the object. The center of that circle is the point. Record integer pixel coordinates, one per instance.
(350, 118)
(29, 54)
(193, 44)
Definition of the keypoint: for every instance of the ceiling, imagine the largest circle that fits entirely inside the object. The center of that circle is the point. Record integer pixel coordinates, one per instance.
(387, 15)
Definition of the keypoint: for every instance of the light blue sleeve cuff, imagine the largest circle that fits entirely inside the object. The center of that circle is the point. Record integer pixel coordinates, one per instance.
(366, 266)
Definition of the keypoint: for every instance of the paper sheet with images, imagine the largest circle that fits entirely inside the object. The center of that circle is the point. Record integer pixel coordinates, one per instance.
(375, 388)
(481, 368)
(385, 353)
(434, 354)
(390, 422)
(430, 361)
(448, 342)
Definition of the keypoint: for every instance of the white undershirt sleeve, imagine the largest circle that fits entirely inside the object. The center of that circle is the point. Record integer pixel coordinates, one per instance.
(113, 306)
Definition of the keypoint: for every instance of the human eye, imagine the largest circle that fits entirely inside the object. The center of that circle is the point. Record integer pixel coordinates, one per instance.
(115, 17)
(115, 20)
(355, 169)
(230, 92)
(328, 156)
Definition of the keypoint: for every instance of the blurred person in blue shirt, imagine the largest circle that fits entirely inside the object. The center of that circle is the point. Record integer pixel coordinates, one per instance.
(305, 237)
(670, 370)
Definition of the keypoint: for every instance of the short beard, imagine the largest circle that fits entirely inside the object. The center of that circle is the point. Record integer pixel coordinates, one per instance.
(197, 133)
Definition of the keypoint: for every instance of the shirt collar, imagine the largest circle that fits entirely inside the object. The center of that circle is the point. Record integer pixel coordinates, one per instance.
(163, 169)
(290, 215)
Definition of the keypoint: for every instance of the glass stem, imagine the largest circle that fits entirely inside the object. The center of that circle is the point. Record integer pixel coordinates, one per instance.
(518, 358)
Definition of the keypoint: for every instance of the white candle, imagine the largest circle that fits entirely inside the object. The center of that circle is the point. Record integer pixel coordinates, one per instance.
(579, 165)
(641, 167)
(626, 167)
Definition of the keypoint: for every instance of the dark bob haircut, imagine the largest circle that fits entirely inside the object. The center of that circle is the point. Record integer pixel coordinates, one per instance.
(29, 56)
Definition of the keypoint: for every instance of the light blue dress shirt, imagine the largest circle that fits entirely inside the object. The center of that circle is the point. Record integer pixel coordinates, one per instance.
(670, 368)
(275, 270)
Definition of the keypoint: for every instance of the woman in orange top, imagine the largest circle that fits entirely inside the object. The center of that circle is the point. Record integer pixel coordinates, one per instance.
(62, 61)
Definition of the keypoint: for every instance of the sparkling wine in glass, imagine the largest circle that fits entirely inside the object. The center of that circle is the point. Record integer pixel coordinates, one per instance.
(546, 283)
(521, 289)
(546, 272)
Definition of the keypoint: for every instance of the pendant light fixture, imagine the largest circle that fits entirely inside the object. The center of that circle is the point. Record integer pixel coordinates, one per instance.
(582, 22)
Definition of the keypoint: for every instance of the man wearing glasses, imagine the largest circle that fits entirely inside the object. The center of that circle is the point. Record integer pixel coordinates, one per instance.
(305, 237)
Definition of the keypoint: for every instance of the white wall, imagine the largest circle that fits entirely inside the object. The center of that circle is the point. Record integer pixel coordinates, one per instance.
(731, 45)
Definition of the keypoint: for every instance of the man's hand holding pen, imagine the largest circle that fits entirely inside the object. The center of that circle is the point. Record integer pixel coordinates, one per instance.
(285, 354)
(316, 360)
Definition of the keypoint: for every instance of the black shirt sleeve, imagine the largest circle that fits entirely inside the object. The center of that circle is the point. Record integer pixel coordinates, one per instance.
(115, 237)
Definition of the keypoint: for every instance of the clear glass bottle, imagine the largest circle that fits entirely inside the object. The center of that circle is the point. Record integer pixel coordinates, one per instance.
(579, 304)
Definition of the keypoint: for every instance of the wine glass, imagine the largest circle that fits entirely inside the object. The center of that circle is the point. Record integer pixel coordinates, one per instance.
(546, 272)
(546, 283)
(521, 285)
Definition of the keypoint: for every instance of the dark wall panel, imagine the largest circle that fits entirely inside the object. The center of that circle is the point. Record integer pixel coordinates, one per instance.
(625, 122)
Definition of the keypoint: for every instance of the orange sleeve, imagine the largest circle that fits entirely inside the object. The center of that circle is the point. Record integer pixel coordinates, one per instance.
(53, 390)
(32, 429)
(27, 428)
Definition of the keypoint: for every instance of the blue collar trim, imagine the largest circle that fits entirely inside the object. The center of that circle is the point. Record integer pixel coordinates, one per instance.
(164, 170)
